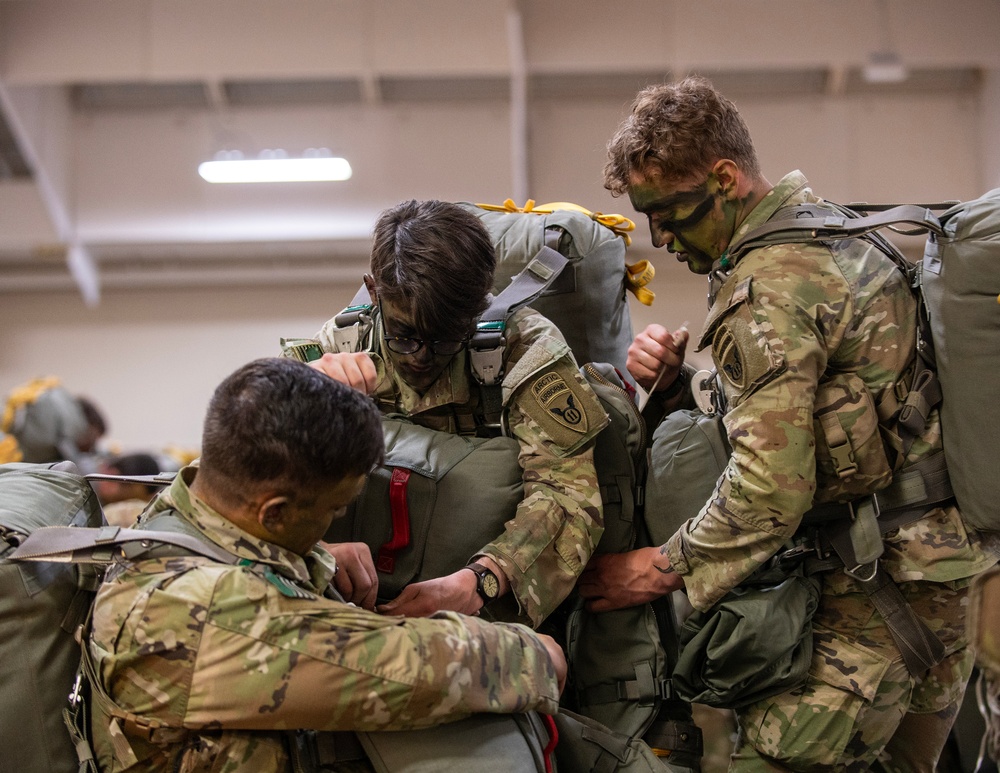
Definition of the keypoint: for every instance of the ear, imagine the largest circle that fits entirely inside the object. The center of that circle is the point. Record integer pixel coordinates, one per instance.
(728, 175)
(270, 514)
(370, 284)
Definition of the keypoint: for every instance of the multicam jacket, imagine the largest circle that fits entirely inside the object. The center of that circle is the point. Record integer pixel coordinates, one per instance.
(559, 522)
(798, 331)
(237, 653)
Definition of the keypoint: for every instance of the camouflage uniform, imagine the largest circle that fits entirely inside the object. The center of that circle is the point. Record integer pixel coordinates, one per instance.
(237, 654)
(545, 547)
(787, 317)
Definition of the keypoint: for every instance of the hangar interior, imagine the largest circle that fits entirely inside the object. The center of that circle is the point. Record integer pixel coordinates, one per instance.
(142, 285)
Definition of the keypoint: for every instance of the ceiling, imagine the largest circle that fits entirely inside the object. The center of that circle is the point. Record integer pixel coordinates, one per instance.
(107, 107)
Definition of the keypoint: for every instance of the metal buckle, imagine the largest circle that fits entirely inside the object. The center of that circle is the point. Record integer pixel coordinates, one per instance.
(854, 572)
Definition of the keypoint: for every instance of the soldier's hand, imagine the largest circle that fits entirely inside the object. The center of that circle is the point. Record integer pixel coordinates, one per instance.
(455, 592)
(618, 580)
(355, 369)
(356, 579)
(656, 349)
(558, 658)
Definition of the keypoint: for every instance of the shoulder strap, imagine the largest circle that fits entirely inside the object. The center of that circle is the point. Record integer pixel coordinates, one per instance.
(486, 346)
(76, 544)
(810, 222)
(487, 343)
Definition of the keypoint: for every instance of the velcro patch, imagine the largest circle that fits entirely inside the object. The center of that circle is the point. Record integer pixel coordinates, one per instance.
(555, 397)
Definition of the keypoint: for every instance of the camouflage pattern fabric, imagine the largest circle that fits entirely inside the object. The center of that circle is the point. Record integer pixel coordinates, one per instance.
(237, 654)
(795, 330)
(545, 547)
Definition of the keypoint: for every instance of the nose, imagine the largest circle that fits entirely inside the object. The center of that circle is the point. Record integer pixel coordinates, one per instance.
(663, 239)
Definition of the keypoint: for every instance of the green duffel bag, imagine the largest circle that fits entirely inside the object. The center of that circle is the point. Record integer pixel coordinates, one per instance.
(754, 643)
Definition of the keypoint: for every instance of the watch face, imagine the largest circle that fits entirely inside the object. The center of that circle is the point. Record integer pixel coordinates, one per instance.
(490, 584)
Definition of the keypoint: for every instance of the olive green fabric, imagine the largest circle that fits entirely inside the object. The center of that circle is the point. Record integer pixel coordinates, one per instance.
(452, 477)
(754, 643)
(618, 653)
(688, 454)
(587, 303)
(586, 745)
(961, 285)
(40, 606)
(484, 743)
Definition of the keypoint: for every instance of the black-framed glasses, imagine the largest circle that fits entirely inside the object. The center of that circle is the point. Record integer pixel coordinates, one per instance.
(408, 345)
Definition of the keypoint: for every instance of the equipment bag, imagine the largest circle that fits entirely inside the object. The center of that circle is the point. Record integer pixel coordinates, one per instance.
(960, 279)
(41, 608)
(588, 302)
(48, 510)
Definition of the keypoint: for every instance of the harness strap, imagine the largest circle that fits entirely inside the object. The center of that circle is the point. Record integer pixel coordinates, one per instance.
(854, 531)
(644, 688)
(106, 543)
(400, 508)
(828, 224)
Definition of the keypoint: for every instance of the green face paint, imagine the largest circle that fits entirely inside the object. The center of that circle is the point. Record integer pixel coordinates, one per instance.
(695, 224)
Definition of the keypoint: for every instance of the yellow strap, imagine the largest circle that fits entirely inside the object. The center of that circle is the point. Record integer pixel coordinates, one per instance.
(25, 395)
(9, 450)
(637, 276)
(183, 456)
(620, 224)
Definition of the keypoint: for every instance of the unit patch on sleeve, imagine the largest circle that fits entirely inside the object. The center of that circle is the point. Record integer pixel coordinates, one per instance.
(556, 398)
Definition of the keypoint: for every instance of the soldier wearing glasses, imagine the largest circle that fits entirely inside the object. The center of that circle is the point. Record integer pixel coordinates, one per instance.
(432, 266)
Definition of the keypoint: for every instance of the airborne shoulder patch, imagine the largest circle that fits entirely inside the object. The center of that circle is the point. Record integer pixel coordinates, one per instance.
(561, 409)
(556, 398)
(743, 355)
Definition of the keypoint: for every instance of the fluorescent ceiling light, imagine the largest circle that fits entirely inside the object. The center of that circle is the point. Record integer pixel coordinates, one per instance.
(231, 167)
(885, 67)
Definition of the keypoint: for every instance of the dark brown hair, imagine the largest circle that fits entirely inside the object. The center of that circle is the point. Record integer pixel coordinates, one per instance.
(435, 257)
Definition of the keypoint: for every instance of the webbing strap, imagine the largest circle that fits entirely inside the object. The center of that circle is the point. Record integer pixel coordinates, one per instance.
(920, 648)
(102, 544)
(399, 507)
(828, 224)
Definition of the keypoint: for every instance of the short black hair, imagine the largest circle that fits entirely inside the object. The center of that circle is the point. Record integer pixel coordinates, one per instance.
(276, 421)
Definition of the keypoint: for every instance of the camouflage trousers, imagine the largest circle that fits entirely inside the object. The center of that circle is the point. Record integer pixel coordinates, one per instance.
(860, 708)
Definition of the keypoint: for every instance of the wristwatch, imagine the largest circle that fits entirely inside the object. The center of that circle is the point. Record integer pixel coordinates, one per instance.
(487, 583)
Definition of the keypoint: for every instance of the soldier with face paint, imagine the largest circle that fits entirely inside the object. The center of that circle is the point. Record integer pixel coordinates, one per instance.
(800, 334)
(432, 266)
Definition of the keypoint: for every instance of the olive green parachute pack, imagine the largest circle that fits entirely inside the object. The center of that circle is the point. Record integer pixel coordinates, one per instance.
(589, 300)
(44, 605)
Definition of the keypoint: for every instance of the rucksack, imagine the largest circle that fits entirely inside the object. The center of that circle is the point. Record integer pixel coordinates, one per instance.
(588, 302)
(46, 509)
(958, 287)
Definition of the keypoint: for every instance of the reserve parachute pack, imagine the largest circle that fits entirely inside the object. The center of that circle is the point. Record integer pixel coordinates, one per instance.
(588, 302)
(958, 348)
